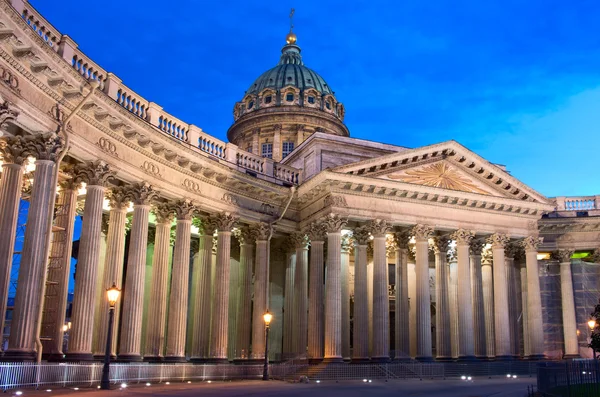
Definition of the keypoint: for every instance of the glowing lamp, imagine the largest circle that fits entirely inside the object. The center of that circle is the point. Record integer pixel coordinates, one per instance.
(113, 295)
(592, 323)
(267, 317)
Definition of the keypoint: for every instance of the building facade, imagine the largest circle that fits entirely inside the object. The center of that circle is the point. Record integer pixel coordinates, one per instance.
(363, 251)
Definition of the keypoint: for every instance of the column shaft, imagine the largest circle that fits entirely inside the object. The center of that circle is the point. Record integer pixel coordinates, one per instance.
(423, 309)
(370, 301)
(133, 293)
(513, 310)
(333, 298)
(453, 304)
(534, 306)
(361, 305)
(402, 308)
(466, 348)
(488, 312)
(501, 321)
(218, 338)
(412, 302)
(261, 279)
(315, 302)
(442, 303)
(10, 194)
(245, 300)
(30, 284)
(201, 338)
(345, 282)
(568, 310)
(300, 330)
(381, 310)
(524, 315)
(157, 308)
(478, 306)
(288, 305)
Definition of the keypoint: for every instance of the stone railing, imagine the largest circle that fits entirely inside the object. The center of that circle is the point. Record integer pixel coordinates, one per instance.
(148, 111)
(583, 203)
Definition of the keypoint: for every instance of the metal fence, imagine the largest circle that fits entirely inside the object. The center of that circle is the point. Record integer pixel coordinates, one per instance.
(569, 378)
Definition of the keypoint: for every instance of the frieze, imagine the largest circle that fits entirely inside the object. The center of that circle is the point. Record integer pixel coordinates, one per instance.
(9, 80)
(230, 199)
(107, 146)
(191, 185)
(151, 169)
(267, 209)
(335, 201)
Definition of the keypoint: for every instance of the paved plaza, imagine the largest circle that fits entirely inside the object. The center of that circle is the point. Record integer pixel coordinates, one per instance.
(448, 388)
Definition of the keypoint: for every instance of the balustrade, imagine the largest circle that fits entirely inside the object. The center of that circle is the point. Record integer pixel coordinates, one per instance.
(582, 203)
(250, 161)
(88, 69)
(42, 27)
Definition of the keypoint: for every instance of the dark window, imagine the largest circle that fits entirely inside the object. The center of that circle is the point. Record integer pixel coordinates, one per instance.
(311, 99)
(267, 150)
(289, 97)
(250, 104)
(328, 105)
(287, 148)
(268, 99)
(249, 149)
(289, 79)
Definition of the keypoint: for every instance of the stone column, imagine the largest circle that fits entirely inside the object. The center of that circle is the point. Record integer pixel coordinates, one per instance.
(477, 295)
(59, 267)
(524, 314)
(263, 232)
(513, 310)
(453, 301)
(247, 239)
(288, 302)
(32, 271)
(202, 314)
(402, 305)
(370, 293)
(300, 308)
(501, 321)
(333, 289)
(345, 281)
(441, 245)
(568, 305)
(360, 352)
(534, 299)
(95, 174)
(133, 294)
(218, 336)
(487, 284)
(381, 309)
(412, 302)
(178, 299)
(113, 266)
(466, 349)
(157, 308)
(316, 234)
(13, 154)
(422, 234)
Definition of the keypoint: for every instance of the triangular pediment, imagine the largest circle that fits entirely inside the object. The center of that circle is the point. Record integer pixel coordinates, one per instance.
(447, 165)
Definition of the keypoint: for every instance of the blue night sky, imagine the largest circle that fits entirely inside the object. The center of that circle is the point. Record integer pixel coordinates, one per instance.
(517, 82)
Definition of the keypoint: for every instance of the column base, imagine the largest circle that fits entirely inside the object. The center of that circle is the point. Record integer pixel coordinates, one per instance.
(332, 360)
(467, 358)
(174, 359)
(255, 361)
(536, 357)
(153, 359)
(74, 357)
(100, 357)
(481, 358)
(218, 361)
(444, 359)
(360, 360)
(571, 356)
(425, 359)
(240, 361)
(313, 361)
(504, 358)
(54, 357)
(129, 358)
(18, 356)
(198, 360)
(383, 359)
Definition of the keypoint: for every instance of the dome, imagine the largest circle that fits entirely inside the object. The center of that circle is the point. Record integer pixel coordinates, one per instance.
(290, 72)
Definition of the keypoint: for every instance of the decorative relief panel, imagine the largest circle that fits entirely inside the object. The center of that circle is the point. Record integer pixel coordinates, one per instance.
(191, 185)
(9, 80)
(151, 169)
(230, 199)
(107, 146)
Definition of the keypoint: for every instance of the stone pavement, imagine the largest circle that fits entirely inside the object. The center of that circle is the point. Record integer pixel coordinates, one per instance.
(428, 388)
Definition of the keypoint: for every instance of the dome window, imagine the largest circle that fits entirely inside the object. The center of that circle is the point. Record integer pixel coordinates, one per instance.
(289, 97)
(268, 99)
(328, 105)
(309, 80)
(250, 105)
(311, 99)
(289, 78)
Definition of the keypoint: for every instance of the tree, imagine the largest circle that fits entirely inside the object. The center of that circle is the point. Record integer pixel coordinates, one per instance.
(595, 335)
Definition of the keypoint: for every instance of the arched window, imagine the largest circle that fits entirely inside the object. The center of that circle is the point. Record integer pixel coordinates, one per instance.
(289, 97)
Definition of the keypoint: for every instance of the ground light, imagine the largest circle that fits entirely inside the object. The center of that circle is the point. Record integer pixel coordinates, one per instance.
(167, 383)
(463, 377)
(48, 390)
(318, 381)
(123, 385)
(148, 384)
(508, 375)
(18, 393)
(469, 378)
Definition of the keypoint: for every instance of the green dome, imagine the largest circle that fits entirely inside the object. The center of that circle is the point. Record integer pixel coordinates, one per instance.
(290, 72)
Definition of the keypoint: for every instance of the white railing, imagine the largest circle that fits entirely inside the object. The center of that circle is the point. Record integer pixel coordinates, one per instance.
(250, 161)
(583, 203)
(22, 375)
(88, 69)
(287, 173)
(39, 24)
(132, 102)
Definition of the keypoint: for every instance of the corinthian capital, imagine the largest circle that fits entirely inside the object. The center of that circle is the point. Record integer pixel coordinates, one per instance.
(183, 209)
(13, 149)
(476, 246)
(316, 231)
(334, 223)
(512, 250)
(245, 235)
(8, 112)
(422, 232)
(164, 213)
(441, 244)
(118, 197)
(402, 238)
(361, 235)
(498, 240)
(462, 236)
(263, 231)
(531, 243)
(298, 240)
(46, 146)
(564, 256)
(347, 242)
(94, 173)
(142, 193)
(378, 227)
(224, 221)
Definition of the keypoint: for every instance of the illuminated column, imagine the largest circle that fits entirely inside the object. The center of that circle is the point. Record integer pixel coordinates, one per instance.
(513, 310)
(534, 298)
(263, 232)
(441, 245)
(568, 305)
(345, 281)
(247, 239)
(32, 271)
(524, 315)
(381, 309)
(95, 174)
(202, 298)
(113, 264)
(453, 301)
(412, 302)
(478, 302)
(360, 352)
(501, 322)
(487, 284)
(220, 323)
(466, 349)
(13, 154)
(157, 309)
(288, 298)
(422, 234)
(133, 293)
(300, 308)
(316, 234)
(402, 305)
(333, 289)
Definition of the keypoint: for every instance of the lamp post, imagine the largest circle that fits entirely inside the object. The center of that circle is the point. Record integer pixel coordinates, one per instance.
(267, 317)
(113, 295)
(592, 325)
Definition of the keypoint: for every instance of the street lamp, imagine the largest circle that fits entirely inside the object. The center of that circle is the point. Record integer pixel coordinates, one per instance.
(267, 317)
(112, 295)
(592, 325)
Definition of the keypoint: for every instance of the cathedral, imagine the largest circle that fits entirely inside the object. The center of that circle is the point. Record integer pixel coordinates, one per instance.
(362, 251)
